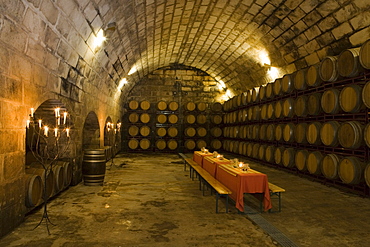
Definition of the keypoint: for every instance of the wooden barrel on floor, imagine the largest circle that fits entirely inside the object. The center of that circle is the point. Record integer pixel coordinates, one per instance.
(68, 171)
(269, 153)
(350, 134)
(201, 131)
(288, 107)
(313, 133)
(278, 109)
(161, 118)
(144, 144)
(329, 69)
(145, 105)
(349, 64)
(133, 130)
(58, 172)
(201, 106)
(314, 104)
(289, 157)
(174, 106)
(367, 174)
(160, 144)
(133, 105)
(350, 99)
(301, 159)
(93, 167)
(216, 107)
(133, 144)
(161, 105)
(287, 84)
(351, 170)
(300, 106)
(366, 94)
(201, 119)
(277, 87)
(172, 131)
(201, 143)
(270, 132)
(364, 56)
(144, 130)
(190, 144)
(278, 155)
(288, 132)
(300, 80)
(329, 167)
(269, 90)
(300, 132)
(47, 181)
(161, 131)
(313, 78)
(34, 190)
(314, 161)
(216, 144)
(330, 101)
(190, 132)
(329, 133)
(366, 134)
(172, 144)
(133, 117)
(190, 119)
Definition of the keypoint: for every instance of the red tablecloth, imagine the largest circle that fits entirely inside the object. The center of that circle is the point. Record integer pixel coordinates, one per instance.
(199, 155)
(240, 182)
(210, 164)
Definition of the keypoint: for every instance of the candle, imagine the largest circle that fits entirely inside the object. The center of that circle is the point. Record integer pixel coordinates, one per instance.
(57, 112)
(56, 132)
(67, 131)
(240, 164)
(32, 111)
(58, 120)
(46, 129)
(28, 123)
(115, 131)
(65, 117)
(40, 121)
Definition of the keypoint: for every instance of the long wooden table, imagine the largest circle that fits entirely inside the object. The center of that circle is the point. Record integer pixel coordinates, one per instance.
(199, 156)
(211, 164)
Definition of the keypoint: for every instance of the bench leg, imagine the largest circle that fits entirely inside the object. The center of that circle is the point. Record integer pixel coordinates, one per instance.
(278, 194)
(227, 202)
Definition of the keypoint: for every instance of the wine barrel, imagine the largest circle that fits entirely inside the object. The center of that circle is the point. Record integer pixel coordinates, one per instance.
(262, 93)
(244, 98)
(351, 170)
(269, 153)
(262, 132)
(250, 149)
(288, 132)
(201, 144)
(287, 84)
(47, 181)
(161, 105)
(235, 101)
(255, 132)
(277, 87)
(366, 94)
(288, 107)
(243, 131)
(256, 115)
(300, 106)
(216, 119)
(216, 107)
(68, 172)
(144, 144)
(161, 118)
(313, 78)
(256, 147)
(313, 133)
(314, 104)
(349, 64)
(216, 144)
(133, 144)
(133, 130)
(58, 172)
(172, 131)
(190, 119)
(350, 134)
(201, 106)
(289, 157)
(350, 99)
(34, 190)
(145, 118)
(329, 69)
(300, 80)
(172, 118)
(329, 133)
(270, 111)
(300, 132)
(314, 161)
(249, 132)
(249, 96)
(226, 131)
(255, 92)
(161, 131)
(201, 119)
(172, 144)
(161, 144)
(93, 166)
(278, 155)
(330, 101)
(174, 106)
(190, 144)
(235, 148)
(367, 174)
(269, 90)
(264, 112)
(329, 167)
(243, 148)
(145, 105)
(190, 131)
(366, 134)
(133, 105)
(301, 159)
(261, 152)
(364, 56)
(270, 132)
(133, 117)
(250, 114)
(201, 131)
(190, 106)
(278, 109)
(216, 132)
(279, 130)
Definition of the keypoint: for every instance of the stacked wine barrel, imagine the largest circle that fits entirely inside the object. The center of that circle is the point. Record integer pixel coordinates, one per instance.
(314, 121)
(216, 119)
(195, 126)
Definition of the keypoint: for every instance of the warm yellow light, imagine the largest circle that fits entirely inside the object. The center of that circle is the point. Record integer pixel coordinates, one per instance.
(132, 70)
(99, 39)
(221, 85)
(273, 73)
(122, 83)
(264, 58)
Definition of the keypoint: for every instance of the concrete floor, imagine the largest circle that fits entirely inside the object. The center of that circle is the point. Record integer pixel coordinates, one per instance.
(151, 201)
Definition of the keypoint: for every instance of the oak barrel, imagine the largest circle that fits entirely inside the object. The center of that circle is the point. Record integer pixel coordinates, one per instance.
(288, 157)
(300, 132)
(313, 133)
(255, 92)
(190, 144)
(288, 107)
(278, 155)
(300, 80)
(256, 147)
(172, 131)
(366, 94)
(68, 171)
(270, 111)
(270, 132)
(172, 118)
(330, 101)
(201, 131)
(216, 132)
(190, 119)
(279, 131)
(301, 159)
(261, 152)
(58, 172)
(144, 144)
(313, 78)
(367, 173)
(216, 119)
(161, 105)
(300, 106)
(93, 166)
(314, 161)
(269, 90)
(161, 118)
(161, 144)
(366, 134)
(256, 115)
(351, 170)
(329, 167)
(264, 112)
(216, 144)
(145, 118)
(329, 133)
(216, 107)
(288, 132)
(190, 106)
(250, 149)
(287, 84)
(350, 99)
(277, 87)
(172, 144)
(161, 131)
(173, 106)
(133, 105)
(201, 143)
(190, 131)
(145, 105)
(348, 62)
(278, 109)
(34, 190)
(329, 69)
(255, 132)
(47, 178)
(133, 144)
(133, 130)
(269, 153)
(262, 93)
(201, 119)
(262, 132)
(350, 134)
(314, 104)
(364, 56)
(133, 117)
(201, 106)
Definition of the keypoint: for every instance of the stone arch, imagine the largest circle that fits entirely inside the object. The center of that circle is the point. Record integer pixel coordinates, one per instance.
(91, 132)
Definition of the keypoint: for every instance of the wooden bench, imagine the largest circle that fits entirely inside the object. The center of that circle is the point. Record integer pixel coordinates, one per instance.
(276, 191)
(207, 179)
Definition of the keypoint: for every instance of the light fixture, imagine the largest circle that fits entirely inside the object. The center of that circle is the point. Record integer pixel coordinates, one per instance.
(122, 82)
(99, 39)
(132, 70)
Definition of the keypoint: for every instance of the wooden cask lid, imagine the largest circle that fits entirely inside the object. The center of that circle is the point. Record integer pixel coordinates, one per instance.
(348, 62)
(262, 132)
(235, 131)
(133, 130)
(255, 92)
(313, 78)
(190, 144)
(216, 107)
(288, 132)
(216, 119)
(201, 131)
(270, 132)
(301, 159)
(190, 132)
(172, 131)
(329, 133)
(300, 106)
(190, 106)
(278, 155)
(172, 144)
(256, 115)
(351, 170)
(144, 144)
(161, 131)
(330, 101)
(239, 100)
(172, 118)
(264, 112)
(216, 132)
(261, 152)
(216, 144)
(364, 56)
(300, 80)
(243, 131)
(190, 119)
(234, 101)
(235, 148)
(269, 90)
(329, 167)
(262, 93)
(145, 118)
(270, 111)
(201, 144)
(249, 130)
(133, 144)
(279, 132)
(249, 149)
(161, 118)
(250, 113)
(288, 157)
(350, 99)
(300, 132)
(161, 144)
(366, 94)
(313, 163)
(201, 106)
(329, 69)
(174, 106)
(314, 104)
(233, 117)
(313, 133)
(243, 148)
(226, 131)
(161, 105)
(288, 107)
(145, 105)
(249, 96)
(350, 134)
(277, 87)
(256, 147)
(367, 173)
(244, 115)
(133, 105)
(287, 85)
(269, 153)
(366, 134)
(144, 130)
(256, 132)
(278, 109)
(133, 117)
(202, 118)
